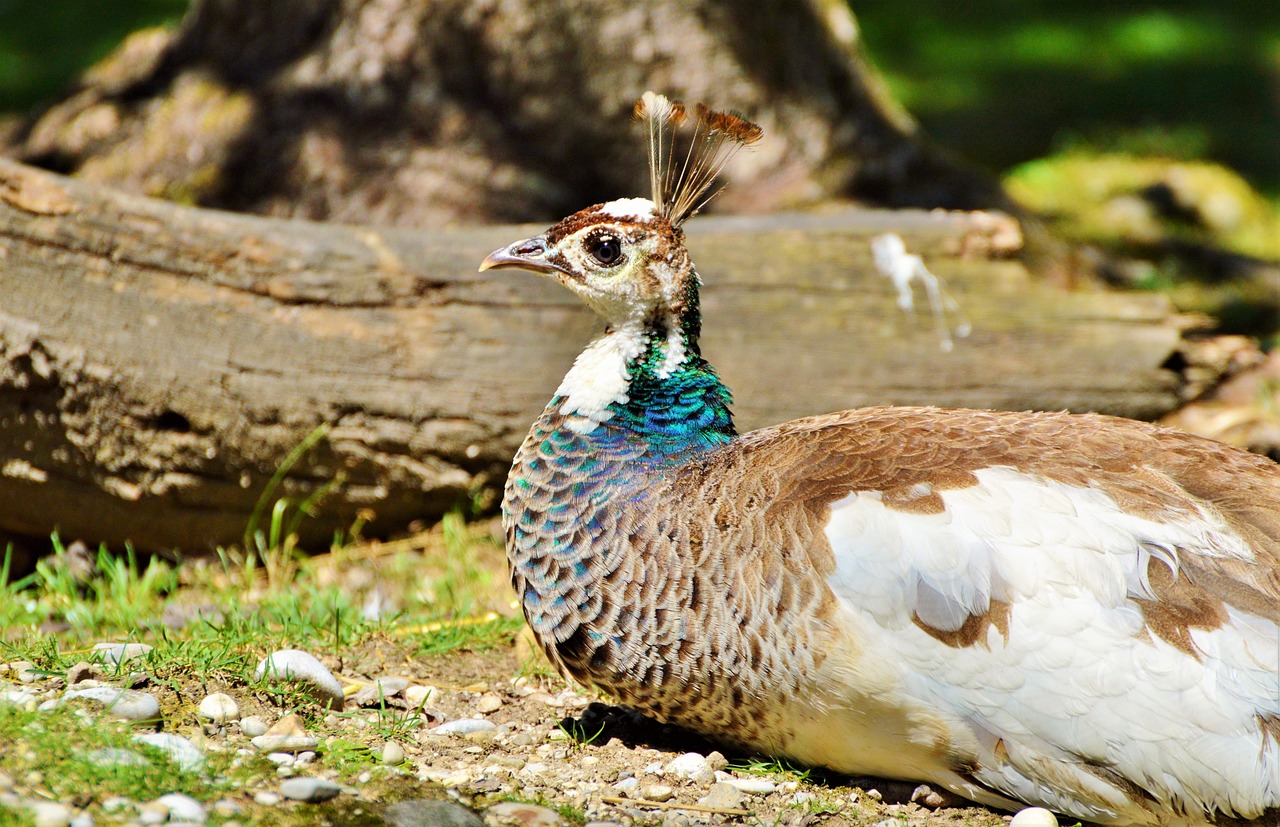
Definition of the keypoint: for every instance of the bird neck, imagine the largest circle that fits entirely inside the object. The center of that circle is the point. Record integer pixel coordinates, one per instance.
(645, 382)
(638, 400)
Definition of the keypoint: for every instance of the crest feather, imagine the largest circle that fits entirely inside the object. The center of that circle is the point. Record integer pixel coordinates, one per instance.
(716, 137)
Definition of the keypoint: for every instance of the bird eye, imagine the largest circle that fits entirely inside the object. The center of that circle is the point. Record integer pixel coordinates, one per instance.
(605, 249)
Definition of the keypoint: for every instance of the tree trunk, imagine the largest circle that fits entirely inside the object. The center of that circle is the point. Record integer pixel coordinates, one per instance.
(428, 113)
(158, 362)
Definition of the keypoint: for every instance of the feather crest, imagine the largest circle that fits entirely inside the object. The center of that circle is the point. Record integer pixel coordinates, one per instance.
(678, 189)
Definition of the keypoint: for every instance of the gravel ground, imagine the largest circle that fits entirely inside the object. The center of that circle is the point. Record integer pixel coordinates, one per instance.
(473, 738)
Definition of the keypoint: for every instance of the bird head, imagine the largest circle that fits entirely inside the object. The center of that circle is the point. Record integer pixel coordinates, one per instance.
(626, 259)
(622, 258)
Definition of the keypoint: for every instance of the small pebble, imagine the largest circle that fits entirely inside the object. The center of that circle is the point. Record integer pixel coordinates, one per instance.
(520, 814)
(380, 690)
(114, 654)
(183, 808)
(627, 785)
(20, 698)
(284, 743)
(176, 748)
(691, 766)
(309, 789)
(464, 726)
(657, 792)
(153, 812)
(118, 804)
(392, 754)
(430, 813)
(304, 757)
(253, 726)
(219, 707)
(419, 695)
(722, 796)
(25, 671)
(50, 814)
(226, 807)
(716, 761)
(81, 819)
(926, 796)
(281, 759)
(751, 786)
(115, 757)
(489, 702)
(267, 798)
(285, 735)
(298, 667)
(1034, 817)
(81, 671)
(125, 704)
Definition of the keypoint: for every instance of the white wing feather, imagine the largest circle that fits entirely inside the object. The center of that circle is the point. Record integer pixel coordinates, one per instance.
(1078, 683)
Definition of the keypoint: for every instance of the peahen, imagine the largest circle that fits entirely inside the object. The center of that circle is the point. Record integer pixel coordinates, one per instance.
(1072, 611)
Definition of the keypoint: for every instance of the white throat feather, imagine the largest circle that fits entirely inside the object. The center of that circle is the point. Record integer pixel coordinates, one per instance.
(601, 376)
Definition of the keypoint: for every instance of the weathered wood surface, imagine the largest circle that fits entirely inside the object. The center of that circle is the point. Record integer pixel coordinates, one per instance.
(158, 362)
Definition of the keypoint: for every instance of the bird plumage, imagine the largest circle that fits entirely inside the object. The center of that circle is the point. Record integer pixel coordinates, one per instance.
(1078, 612)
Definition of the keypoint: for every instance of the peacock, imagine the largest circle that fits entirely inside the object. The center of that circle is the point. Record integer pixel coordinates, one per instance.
(1077, 612)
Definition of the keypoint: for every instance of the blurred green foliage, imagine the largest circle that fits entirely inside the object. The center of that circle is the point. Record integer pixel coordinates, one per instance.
(45, 44)
(1006, 81)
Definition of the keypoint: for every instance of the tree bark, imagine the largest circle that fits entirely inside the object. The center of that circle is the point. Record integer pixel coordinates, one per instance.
(429, 113)
(158, 362)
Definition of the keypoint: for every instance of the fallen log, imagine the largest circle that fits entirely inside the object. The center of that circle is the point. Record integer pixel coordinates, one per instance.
(159, 362)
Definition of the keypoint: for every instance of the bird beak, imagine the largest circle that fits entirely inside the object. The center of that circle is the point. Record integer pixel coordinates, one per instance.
(529, 254)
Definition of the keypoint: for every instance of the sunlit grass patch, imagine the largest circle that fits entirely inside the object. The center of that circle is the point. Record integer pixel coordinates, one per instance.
(71, 751)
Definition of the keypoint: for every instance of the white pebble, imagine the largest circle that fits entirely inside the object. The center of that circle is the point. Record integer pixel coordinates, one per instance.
(657, 792)
(183, 808)
(177, 749)
(113, 654)
(117, 804)
(280, 759)
(392, 754)
(49, 814)
(227, 807)
(125, 704)
(116, 757)
(153, 812)
(219, 708)
(297, 666)
(464, 726)
(82, 820)
(284, 743)
(691, 766)
(489, 702)
(309, 789)
(253, 726)
(20, 698)
(752, 786)
(1034, 817)
(419, 695)
(267, 798)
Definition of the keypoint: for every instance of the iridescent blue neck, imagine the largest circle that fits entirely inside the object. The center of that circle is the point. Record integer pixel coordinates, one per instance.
(674, 409)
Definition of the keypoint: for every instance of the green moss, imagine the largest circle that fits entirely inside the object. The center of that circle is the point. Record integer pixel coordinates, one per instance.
(1121, 199)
